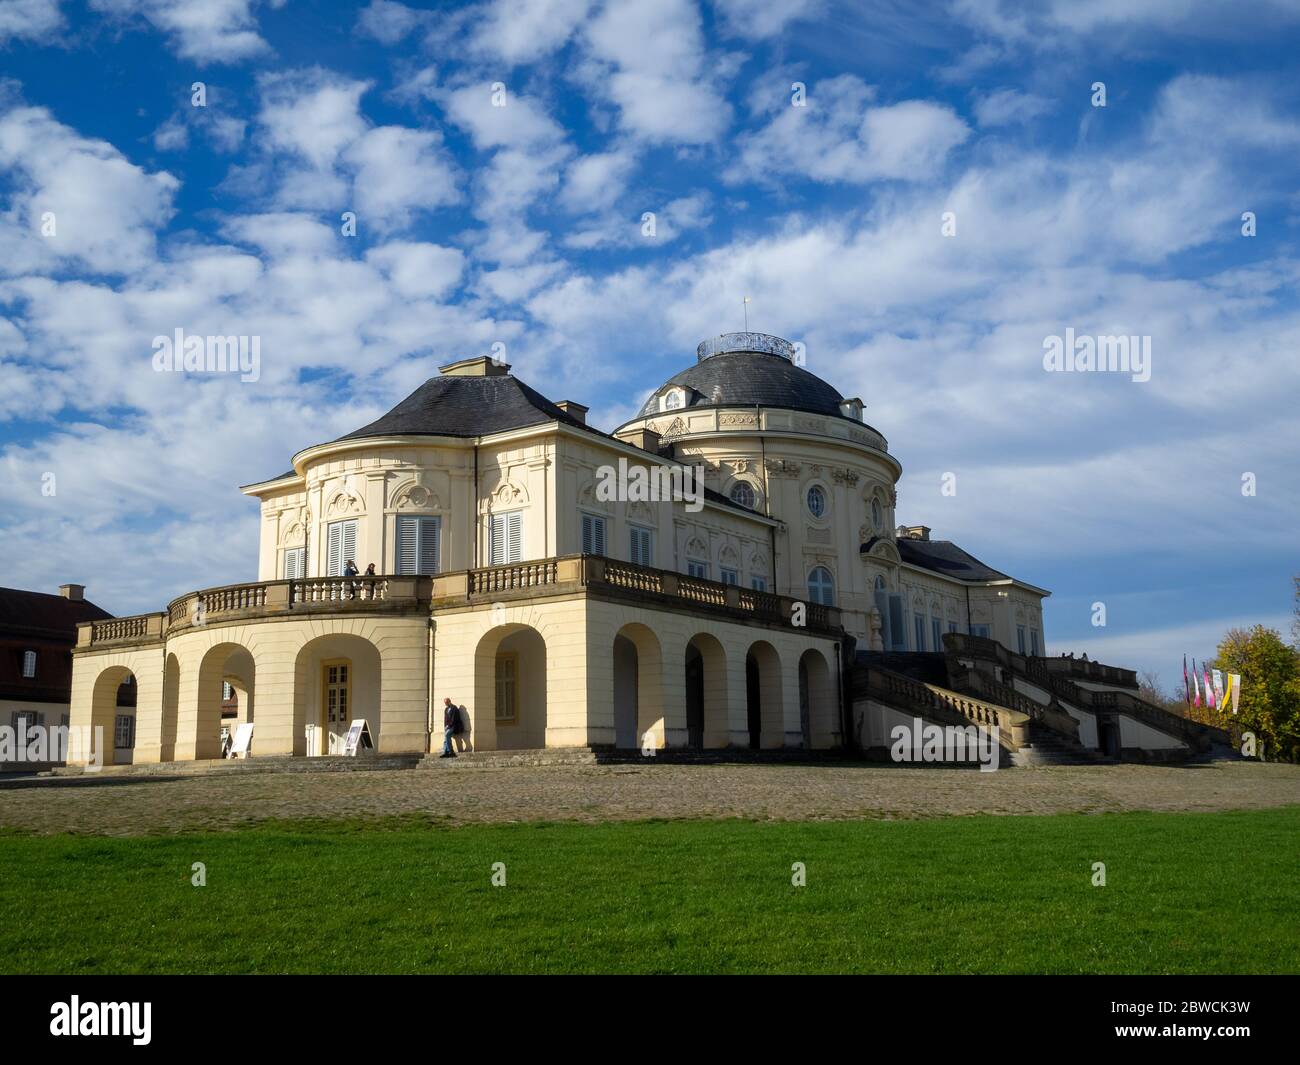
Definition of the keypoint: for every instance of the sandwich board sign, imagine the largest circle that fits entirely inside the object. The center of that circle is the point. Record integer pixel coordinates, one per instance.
(358, 738)
(243, 740)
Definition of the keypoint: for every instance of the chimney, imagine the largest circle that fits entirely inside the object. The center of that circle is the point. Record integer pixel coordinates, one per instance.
(576, 411)
(914, 532)
(645, 439)
(479, 366)
(75, 592)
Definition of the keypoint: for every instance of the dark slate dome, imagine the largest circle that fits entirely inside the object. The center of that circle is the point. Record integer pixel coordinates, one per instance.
(749, 370)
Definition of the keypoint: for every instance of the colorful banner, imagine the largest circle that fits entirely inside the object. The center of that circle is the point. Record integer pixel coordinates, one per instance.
(1234, 679)
(1218, 687)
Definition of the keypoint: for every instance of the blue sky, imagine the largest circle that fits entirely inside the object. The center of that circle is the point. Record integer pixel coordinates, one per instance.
(522, 225)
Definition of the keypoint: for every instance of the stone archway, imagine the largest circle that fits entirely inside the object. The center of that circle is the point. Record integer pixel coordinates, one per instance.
(706, 692)
(639, 712)
(510, 694)
(763, 696)
(337, 680)
(818, 712)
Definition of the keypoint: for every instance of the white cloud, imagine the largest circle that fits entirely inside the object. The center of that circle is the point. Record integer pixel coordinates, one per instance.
(419, 269)
(648, 58)
(595, 182)
(32, 20)
(106, 210)
(756, 19)
(840, 136)
(1007, 107)
(205, 31)
(523, 31)
(519, 123)
(388, 22)
(385, 173)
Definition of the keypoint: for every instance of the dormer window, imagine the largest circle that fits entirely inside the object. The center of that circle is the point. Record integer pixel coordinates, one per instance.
(672, 399)
(851, 408)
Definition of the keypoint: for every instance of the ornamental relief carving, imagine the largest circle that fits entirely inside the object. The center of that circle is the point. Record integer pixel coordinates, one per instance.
(416, 497)
(782, 468)
(845, 476)
(744, 421)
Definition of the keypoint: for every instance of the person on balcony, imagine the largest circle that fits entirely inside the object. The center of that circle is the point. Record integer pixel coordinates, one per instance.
(350, 570)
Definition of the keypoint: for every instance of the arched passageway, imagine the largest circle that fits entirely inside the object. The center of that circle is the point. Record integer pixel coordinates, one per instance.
(510, 695)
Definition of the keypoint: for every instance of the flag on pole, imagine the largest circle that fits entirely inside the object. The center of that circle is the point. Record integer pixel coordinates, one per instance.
(1196, 685)
(1218, 688)
(1187, 688)
(1209, 692)
(1235, 680)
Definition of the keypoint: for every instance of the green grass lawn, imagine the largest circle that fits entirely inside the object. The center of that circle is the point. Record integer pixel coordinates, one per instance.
(1185, 893)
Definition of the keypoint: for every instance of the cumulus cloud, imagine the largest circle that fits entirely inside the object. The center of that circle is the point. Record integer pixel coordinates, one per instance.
(74, 199)
(648, 59)
(205, 31)
(841, 134)
(32, 20)
(318, 145)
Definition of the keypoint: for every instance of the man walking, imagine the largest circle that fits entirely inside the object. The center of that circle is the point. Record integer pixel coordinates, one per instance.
(450, 726)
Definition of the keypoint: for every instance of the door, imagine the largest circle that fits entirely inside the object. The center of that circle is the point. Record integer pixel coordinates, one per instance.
(336, 703)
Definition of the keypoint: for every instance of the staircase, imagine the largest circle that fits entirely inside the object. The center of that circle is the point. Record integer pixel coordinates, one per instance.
(1047, 747)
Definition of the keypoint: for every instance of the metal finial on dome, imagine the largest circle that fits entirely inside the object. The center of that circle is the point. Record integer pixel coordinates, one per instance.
(763, 343)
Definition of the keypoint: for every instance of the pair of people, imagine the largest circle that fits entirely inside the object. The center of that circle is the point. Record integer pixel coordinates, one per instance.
(350, 570)
(455, 726)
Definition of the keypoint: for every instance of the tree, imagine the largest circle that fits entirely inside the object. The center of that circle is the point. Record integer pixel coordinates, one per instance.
(1269, 703)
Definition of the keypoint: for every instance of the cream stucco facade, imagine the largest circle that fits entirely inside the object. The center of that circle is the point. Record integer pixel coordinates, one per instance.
(509, 579)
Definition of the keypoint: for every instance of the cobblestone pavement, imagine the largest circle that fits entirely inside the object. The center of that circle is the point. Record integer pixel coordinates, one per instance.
(130, 806)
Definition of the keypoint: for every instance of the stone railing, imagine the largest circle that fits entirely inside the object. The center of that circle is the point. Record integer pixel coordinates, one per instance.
(416, 594)
(1057, 680)
(1094, 671)
(514, 577)
(121, 632)
(338, 590)
(944, 705)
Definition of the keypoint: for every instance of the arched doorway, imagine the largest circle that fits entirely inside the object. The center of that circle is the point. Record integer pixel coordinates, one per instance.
(338, 680)
(638, 688)
(170, 709)
(817, 708)
(199, 728)
(706, 692)
(112, 715)
(763, 701)
(510, 697)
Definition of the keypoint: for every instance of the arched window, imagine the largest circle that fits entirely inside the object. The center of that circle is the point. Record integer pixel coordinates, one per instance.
(880, 583)
(821, 586)
(672, 400)
(816, 501)
(742, 492)
(877, 522)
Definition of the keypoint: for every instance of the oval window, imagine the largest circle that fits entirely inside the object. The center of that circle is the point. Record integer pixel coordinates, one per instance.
(743, 493)
(816, 501)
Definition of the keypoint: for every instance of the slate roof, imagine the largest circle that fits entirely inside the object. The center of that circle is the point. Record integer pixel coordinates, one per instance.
(452, 405)
(750, 379)
(946, 558)
(39, 613)
(466, 406)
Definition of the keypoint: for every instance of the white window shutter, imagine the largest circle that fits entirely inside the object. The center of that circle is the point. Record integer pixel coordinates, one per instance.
(334, 562)
(430, 535)
(408, 530)
(515, 530)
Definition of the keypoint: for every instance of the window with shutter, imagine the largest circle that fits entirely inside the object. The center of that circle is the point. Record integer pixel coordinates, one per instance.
(29, 664)
(897, 631)
(295, 563)
(936, 635)
(698, 569)
(341, 538)
(506, 547)
(593, 534)
(419, 544)
(642, 546)
(729, 576)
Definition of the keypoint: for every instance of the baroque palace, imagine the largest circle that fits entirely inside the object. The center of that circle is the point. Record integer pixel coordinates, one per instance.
(780, 608)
